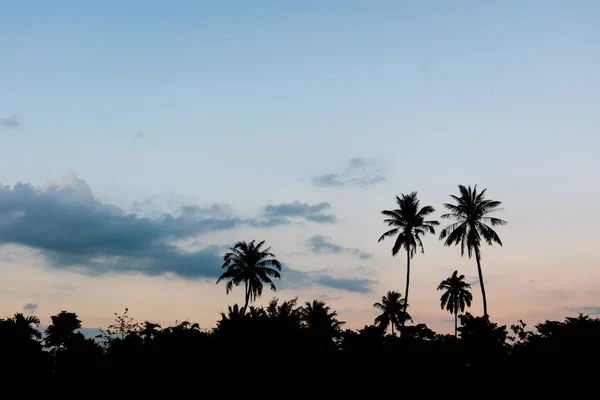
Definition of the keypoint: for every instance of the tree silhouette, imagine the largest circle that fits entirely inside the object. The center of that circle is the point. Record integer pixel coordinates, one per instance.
(455, 297)
(63, 327)
(286, 310)
(409, 224)
(473, 222)
(149, 330)
(321, 324)
(297, 336)
(123, 326)
(24, 327)
(393, 311)
(234, 313)
(252, 265)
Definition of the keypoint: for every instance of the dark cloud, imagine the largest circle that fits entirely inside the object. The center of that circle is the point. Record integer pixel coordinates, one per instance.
(313, 213)
(299, 279)
(586, 310)
(320, 244)
(73, 230)
(30, 307)
(358, 172)
(10, 122)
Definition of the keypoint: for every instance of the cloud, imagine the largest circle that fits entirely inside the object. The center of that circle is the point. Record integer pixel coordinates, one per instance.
(325, 297)
(74, 230)
(348, 284)
(320, 244)
(586, 310)
(358, 172)
(30, 307)
(473, 282)
(299, 279)
(141, 206)
(313, 213)
(10, 122)
(214, 211)
(71, 229)
(64, 287)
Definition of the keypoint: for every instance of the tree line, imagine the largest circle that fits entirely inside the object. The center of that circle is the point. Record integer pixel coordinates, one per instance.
(292, 339)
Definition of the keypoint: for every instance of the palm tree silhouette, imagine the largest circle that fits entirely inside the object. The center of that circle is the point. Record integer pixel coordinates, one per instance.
(321, 323)
(472, 223)
(393, 311)
(249, 263)
(285, 311)
(456, 296)
(409, 224)
(25, 327)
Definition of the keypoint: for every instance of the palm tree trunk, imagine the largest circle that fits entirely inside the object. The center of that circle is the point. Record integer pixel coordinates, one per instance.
(246, 298)
(455, 303)
(478, 258)
(407, 284)
(455, 324)
(392, 328)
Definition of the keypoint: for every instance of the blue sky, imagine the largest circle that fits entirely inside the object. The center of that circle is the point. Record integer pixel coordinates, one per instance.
(159, 105)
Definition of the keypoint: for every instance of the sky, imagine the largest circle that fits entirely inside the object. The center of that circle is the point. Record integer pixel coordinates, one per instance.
(139, 140)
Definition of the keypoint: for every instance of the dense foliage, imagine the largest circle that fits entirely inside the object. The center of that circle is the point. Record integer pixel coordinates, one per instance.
(284, 339)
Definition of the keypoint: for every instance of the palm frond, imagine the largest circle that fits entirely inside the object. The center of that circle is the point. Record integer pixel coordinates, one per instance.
(409, 224)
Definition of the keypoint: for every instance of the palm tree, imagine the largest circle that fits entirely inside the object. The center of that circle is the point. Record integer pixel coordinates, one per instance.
(285, 311)
(409, 224)
(473, 222)
(321, 323)
(25, 327)
(456, 297)
(393, 311)
(249, 263)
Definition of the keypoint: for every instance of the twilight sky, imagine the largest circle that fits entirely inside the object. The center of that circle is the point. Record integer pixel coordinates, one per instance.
(138, 140)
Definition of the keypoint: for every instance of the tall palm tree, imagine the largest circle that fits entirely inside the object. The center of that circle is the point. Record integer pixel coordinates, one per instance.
(473, 222)
(456, 297)
(393, 311)
(409, 224)
(252, 265)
